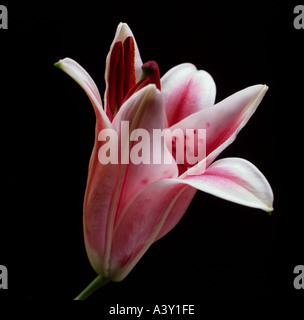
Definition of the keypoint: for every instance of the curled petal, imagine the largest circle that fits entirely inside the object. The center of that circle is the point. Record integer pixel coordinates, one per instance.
(223, 121)
(101, 182)
(79, 74)
(234, 112)
(236, 180)
(186, 91)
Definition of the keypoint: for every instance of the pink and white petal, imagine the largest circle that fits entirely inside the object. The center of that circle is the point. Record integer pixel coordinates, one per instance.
(143, 110)
(98, 212)
(250, 97)
(223, 121)
(101, 182)
(142, 221)
(186, 91)
(79, 74)
(110, 187)
(236, 180)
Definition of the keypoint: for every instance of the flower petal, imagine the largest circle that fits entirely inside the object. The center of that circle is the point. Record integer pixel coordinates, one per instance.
(143, 110)
(110, 187)
(231, 116)
(186, 91)
(236, 180)
(98, 212)
(223, 121)
(79, 74)
(101, 179)
(143, 220)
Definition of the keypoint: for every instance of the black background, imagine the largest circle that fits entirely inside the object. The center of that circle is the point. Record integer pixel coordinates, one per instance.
(219, 250)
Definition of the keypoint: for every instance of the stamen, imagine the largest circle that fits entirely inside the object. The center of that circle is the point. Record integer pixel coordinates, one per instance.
(150, 70)
(129, 60)
(116, 78)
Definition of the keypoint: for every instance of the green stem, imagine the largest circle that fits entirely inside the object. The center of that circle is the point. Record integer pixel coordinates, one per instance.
(98, 282)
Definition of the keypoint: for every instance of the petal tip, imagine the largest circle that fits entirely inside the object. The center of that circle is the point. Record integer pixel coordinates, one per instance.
(124, 25)
(58, 64)
(263, 90)
(61, 64)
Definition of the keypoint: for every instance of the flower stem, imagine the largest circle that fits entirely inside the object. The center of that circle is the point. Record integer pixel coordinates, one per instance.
(98, 282)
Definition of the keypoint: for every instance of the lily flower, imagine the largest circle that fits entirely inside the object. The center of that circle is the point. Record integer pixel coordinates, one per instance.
(127, 207)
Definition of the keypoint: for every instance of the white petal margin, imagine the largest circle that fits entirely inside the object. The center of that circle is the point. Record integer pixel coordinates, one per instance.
(236, 180)
(79, 74)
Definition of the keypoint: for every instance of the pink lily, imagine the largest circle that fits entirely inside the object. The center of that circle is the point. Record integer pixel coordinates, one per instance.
(127, 207)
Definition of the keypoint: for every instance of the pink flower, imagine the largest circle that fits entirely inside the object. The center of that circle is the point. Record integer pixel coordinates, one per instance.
(127, 207)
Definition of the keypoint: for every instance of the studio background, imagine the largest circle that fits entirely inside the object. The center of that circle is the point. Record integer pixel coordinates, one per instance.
(219, 250)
